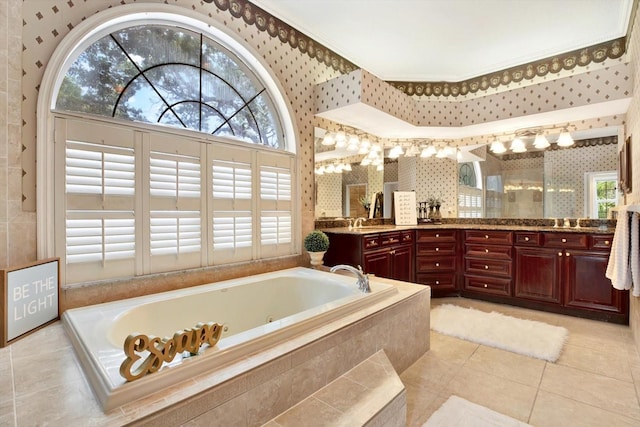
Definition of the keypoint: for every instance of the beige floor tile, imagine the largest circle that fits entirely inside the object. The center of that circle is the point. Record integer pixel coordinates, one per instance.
(596, 390)
(430, 373)
(552, 410)
(601, 362)
(451, 349)
(507, 397)
(507, 365)
(421, 403)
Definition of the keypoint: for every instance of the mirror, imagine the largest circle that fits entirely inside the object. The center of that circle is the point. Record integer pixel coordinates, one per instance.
(575, 182)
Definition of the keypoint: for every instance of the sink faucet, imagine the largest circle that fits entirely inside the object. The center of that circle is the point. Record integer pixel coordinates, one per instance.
(358, 222)
(363, 279)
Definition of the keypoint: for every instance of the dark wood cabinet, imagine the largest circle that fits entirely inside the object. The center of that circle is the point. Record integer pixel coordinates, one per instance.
(390, 254)
(488, 265)
(567, 271)
(559, 271)
(437, 261)
(538, 274)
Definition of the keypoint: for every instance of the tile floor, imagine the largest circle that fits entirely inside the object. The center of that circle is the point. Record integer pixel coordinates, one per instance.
(595, 382)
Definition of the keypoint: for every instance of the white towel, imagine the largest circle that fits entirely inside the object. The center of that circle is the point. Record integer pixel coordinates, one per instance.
(635, 253)
(618, 269)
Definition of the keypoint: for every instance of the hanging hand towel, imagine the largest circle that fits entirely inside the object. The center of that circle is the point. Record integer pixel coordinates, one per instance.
(618, 268)
(635, 253)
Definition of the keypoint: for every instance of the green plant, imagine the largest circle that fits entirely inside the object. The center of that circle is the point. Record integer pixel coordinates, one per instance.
(316, 241)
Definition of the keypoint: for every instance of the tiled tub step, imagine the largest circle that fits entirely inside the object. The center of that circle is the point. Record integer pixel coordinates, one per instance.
(370, 394)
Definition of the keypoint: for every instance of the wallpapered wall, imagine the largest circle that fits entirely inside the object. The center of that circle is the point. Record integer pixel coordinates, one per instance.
(31, 30)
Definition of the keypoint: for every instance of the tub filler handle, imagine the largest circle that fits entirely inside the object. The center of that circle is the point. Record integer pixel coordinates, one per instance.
(363, 279)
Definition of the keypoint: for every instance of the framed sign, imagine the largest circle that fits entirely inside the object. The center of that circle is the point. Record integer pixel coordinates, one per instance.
(30, 298)
(404, 203)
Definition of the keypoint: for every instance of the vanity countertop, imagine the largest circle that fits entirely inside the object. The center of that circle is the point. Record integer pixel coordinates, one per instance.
(384, 228)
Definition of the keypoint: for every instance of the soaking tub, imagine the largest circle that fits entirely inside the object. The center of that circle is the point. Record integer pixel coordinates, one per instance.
(255, 312)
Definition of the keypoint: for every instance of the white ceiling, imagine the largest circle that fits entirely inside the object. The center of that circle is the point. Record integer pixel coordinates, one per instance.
(454, 40)
(451, 40)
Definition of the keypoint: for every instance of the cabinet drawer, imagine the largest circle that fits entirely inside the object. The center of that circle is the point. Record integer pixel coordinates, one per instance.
(488, 285)
(437, 280)
(601, 241)
(387, 239)
(527, 238)
(488, 251)
(491, 237)
(565, 240)
(432, 236)
(489, 267)
(446, 248)
(371, 241)
(434, 264)
(406, 236)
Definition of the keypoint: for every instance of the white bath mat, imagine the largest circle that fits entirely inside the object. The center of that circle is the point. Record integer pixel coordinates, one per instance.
(458, 412)
(528, 337)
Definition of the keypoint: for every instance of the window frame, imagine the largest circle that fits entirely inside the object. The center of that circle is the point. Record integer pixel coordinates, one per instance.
(97, 26)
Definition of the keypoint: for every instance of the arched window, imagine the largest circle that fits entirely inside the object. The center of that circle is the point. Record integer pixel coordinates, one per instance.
(171, 76)
(174, 149)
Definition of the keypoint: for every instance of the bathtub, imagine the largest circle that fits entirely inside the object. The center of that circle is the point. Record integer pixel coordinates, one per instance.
(256, 312)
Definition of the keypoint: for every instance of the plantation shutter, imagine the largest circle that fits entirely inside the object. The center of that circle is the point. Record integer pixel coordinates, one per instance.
(276, 207)
(96, 191)
(175, 207)
(232, 184)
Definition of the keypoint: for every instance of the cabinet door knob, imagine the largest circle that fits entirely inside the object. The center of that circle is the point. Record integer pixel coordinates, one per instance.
(568, 254)
(392, 252)
(486, 267)
(437, 249)
(437, 235)
(437, 282)
(564, 240)
(526, 239)
(559, 253)
(437, 264)
(606, 242)
(486, 236)
(486, 251)
(486, 286)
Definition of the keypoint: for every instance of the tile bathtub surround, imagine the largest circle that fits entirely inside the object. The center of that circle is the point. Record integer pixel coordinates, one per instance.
(249, 392)
(369, 394)
(595, 382)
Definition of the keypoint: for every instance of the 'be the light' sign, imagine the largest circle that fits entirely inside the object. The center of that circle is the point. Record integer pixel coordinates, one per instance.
(30, 298)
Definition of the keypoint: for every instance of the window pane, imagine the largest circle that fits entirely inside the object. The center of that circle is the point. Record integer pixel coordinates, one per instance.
(150, 45)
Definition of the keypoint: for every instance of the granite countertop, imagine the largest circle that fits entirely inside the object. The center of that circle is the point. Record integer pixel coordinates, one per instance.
(506, 227)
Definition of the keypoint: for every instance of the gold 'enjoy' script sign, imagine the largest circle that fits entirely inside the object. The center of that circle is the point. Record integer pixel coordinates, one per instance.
(165, 349)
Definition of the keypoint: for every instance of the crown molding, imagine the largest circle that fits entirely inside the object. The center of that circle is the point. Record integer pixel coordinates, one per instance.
(276, 28)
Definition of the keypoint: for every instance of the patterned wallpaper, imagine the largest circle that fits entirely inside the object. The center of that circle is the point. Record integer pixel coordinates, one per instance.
(31, 30)
(328, 195)
(605, 84)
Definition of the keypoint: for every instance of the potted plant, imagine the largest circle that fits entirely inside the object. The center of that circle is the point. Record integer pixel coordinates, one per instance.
(316, 243)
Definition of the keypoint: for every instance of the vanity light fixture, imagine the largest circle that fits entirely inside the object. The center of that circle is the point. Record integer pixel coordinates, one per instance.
(565, 139)
(517, 145)
(353, 143)
(366, 161)
(498, 147)
(541, 142)
(412, 151)
(428, 151)
(328, 139)
(320, 170)
(441, 154)
(341, 138)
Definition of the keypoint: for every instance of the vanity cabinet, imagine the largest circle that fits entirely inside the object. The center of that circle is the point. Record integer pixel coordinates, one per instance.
(437, 256)
(488, 264)
(567, 271)
(389, 254)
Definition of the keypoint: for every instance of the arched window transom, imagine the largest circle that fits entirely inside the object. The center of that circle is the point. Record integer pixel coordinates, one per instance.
(171, 76)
